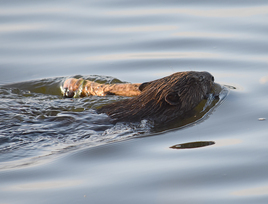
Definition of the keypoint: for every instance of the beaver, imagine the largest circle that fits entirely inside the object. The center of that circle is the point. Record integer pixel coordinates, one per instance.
(163, 100)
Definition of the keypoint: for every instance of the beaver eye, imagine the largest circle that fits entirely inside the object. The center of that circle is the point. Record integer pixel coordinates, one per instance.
(212, 79)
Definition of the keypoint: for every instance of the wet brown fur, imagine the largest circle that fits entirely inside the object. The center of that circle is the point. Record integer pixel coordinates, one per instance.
(164, 99)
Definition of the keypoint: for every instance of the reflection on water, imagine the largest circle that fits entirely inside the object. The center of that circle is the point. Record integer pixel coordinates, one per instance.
(227, 142)
(222, 12)
(264, 79)
(35, 186)
(156, 55)
(258, 191)
(197, 144)
(191, 145)
(145, 28)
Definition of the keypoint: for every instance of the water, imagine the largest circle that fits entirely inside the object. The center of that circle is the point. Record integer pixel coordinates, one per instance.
(54, 150)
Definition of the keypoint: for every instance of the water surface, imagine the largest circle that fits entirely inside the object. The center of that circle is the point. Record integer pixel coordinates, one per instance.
(50, 148)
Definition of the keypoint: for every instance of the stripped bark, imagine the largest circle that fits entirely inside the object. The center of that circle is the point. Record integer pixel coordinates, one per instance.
(80, 87)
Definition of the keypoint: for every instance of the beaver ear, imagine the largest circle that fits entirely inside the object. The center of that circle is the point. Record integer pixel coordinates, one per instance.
(173, 99)
(143, 86)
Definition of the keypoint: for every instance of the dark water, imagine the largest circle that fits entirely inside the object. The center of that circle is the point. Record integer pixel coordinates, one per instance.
(55, 150)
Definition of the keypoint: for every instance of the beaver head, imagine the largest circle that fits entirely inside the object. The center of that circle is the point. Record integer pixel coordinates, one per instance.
(164, 99)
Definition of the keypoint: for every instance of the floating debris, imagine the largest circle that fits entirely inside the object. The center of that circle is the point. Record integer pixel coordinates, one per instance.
(191, 145)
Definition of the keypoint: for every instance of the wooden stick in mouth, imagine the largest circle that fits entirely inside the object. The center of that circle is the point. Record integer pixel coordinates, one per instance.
(79, 87)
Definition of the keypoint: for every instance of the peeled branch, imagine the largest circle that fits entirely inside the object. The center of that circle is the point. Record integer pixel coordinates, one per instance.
(79, 87)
